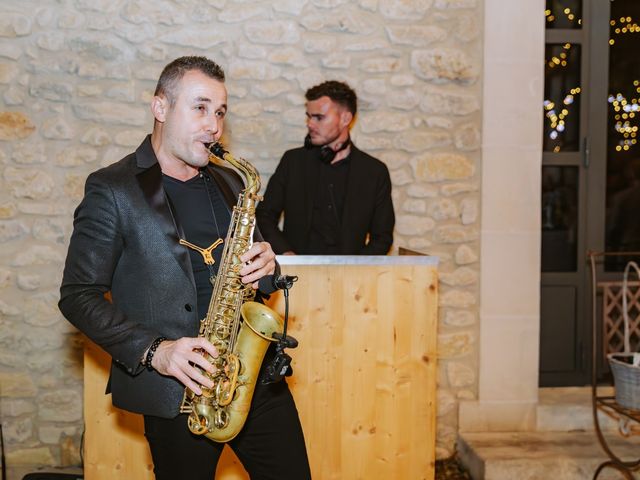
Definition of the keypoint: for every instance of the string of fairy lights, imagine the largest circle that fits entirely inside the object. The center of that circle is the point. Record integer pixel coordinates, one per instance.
(567, 12)
(627, 25)
(556, 114)
(625, 110)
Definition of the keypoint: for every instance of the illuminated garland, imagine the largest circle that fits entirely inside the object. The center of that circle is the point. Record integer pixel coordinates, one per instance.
(625, 111)
(627, 26)
(560, 60)
(550, 17)
(556, 117)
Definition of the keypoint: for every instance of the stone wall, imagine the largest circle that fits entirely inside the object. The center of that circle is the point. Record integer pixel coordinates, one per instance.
(76, 78)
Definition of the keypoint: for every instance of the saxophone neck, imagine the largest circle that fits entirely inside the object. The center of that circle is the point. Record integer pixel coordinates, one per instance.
(248, 171)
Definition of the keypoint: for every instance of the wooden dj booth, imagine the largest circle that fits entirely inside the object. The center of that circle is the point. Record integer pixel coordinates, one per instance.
(364, 375)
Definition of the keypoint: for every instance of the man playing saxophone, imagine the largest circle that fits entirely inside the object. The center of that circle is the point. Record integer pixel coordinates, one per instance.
(145, 249)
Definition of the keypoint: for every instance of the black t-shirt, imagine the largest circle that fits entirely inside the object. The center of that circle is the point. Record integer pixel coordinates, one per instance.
(204, 218)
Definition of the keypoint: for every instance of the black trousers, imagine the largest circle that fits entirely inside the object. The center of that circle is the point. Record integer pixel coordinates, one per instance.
(270, 445)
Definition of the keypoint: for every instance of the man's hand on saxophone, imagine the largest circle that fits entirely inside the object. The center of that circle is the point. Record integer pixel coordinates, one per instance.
(259, 260)
(177, 358)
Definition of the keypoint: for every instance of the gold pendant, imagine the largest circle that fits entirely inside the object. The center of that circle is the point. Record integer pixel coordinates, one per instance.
(205, 252)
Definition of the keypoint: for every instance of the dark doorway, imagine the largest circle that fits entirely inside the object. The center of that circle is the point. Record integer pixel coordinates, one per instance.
(563, 334)
(590, 169)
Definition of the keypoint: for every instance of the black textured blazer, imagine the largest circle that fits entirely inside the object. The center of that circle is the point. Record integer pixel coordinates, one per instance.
(125, 240)
(367, 217)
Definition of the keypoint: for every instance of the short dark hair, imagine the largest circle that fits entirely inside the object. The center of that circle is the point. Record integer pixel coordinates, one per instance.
(339, 92)
(174, 71)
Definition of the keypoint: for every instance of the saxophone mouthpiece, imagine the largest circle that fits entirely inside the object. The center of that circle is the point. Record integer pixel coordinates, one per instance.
(217, 149)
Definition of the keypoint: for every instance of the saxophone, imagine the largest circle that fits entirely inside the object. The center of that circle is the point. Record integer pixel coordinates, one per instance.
(221, 411)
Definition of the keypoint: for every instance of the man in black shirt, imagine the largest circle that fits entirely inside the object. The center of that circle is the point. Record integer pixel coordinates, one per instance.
(336, 199)
(129, 238)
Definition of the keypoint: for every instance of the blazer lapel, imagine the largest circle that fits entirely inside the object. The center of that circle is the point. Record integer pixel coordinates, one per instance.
(150, 182)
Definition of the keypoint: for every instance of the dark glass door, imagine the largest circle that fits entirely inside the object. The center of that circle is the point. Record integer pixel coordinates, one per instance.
(563, 337)
(590, 169)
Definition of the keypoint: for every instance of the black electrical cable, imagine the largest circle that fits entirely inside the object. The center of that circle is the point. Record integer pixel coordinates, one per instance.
(4, 462)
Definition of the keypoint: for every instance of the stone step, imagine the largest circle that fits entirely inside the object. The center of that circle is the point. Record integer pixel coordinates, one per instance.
(568, 409)
(542, 455)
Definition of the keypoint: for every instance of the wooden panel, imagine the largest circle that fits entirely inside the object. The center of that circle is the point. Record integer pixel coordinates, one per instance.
(364, 378)
(365, 372)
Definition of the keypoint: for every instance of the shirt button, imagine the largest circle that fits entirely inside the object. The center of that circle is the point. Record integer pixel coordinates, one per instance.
(188, 307)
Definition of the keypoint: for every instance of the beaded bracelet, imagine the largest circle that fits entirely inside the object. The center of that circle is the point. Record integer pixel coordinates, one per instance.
(152, 350)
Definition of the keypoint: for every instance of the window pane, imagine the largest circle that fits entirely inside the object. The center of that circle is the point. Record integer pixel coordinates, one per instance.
(559, 218)
(562, 98)
(564, 14)
(623, 153)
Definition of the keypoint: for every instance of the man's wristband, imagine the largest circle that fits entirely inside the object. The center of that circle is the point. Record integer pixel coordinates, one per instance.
(151, 352)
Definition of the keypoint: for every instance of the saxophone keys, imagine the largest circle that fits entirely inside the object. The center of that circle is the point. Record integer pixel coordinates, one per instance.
(221, 419)
(199, 425)
(207, 393)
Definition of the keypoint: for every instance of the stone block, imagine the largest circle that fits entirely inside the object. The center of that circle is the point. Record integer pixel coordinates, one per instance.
(451, 189)
(29, 183)
(8, 71)
(457, 299)
(441, 65)
(414, 225)
(449, 101)
(111, 113)
(57, 128)
(291, 7)
(459, 318)
(453, 345)
(15, 25)
(469, 211)
(455, 234)
(12, 230)
(241, 13)
(460, 375)
(419, 141)
(272, 32)
(17, 385)
(442, 209)
(416, 35)
(460, 277)
(15, 125)
(60, 406)
(405, 9)
(30, 456)
(436, 167)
